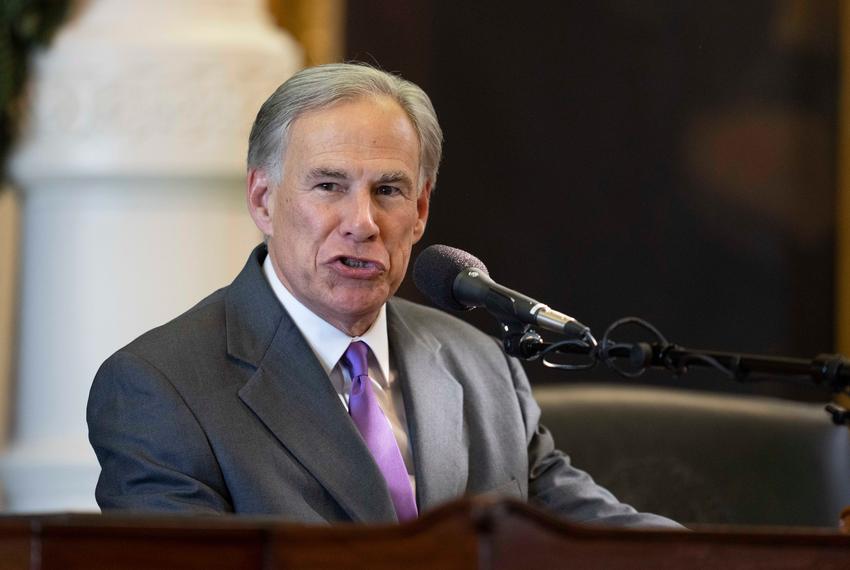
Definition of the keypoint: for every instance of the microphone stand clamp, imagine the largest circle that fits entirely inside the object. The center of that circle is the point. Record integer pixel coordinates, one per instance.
(520, 340)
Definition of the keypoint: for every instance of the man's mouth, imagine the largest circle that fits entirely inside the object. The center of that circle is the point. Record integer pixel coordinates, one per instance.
(356, 263)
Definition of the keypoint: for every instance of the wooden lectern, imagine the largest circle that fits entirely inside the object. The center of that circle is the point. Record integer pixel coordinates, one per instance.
(473, 533)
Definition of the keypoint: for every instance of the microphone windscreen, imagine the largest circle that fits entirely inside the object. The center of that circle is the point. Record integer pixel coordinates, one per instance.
(435, 271)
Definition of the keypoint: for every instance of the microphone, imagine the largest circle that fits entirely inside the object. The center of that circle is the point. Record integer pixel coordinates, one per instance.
(456, 280)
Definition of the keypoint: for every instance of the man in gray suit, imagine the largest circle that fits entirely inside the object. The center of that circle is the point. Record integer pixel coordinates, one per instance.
(304, 389)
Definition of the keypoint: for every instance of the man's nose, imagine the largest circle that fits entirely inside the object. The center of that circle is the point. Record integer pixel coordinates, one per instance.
(358, 220)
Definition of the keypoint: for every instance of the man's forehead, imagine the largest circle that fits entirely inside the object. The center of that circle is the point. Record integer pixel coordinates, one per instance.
(365, 138)
(380, 118)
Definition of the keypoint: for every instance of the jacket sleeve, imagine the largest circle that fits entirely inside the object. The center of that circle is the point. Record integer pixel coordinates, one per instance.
(153, 453)
(556, 486)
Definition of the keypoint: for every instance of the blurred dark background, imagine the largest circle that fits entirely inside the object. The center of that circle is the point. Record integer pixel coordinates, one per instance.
(670, 160)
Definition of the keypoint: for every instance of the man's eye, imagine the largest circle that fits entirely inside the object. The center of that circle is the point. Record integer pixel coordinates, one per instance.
(328, 186)
(388, 190)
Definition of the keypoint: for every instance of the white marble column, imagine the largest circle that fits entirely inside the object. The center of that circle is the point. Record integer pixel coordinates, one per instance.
(131, 170)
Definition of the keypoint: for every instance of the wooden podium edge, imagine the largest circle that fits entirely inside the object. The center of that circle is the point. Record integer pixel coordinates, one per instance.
(477, 532)
(481, 511)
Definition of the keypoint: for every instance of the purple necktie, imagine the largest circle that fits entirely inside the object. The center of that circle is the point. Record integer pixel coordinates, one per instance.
(377, 432)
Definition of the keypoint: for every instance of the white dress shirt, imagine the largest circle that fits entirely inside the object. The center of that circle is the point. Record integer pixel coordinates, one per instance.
(329, 344)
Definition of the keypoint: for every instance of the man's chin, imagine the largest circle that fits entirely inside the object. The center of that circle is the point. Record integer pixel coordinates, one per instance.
(359, 306)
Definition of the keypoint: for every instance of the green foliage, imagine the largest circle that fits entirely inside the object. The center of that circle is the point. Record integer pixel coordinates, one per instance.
(24, 25)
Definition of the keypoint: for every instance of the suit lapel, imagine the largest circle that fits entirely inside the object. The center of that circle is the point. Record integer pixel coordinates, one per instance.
(291, 394)
(433, 402)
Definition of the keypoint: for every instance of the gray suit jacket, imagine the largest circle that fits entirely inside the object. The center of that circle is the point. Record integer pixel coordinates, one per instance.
(226, 409)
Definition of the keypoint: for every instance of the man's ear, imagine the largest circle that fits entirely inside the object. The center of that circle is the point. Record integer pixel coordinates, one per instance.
(423, 203)
(260, 200)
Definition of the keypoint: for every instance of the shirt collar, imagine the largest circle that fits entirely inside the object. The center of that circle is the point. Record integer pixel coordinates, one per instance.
(328, 342)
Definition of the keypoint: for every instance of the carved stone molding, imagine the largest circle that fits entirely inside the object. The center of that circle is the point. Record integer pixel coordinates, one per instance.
(112, 99)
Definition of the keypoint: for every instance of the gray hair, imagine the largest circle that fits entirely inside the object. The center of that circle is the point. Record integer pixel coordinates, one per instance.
(324, 85)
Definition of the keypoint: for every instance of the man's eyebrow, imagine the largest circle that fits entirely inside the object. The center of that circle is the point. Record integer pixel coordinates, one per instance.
(327, 173)
(397, 176)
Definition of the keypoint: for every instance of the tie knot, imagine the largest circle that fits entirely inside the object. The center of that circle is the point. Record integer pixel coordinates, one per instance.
(356, 354)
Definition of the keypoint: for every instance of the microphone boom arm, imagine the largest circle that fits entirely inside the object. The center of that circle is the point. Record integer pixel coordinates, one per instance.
(520, 340)
(830, 369)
